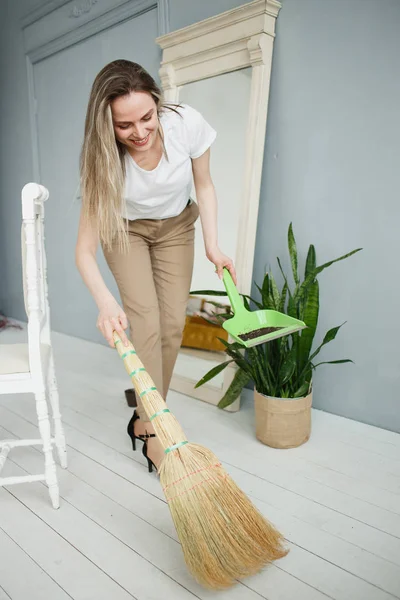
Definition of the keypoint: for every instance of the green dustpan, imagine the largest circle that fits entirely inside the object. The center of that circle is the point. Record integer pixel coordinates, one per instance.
(251, 328)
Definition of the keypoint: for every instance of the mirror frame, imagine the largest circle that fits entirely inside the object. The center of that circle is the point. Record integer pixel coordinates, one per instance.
(236, 39)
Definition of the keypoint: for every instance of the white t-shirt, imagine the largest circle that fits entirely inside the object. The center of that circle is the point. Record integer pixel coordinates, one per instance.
(164, 191)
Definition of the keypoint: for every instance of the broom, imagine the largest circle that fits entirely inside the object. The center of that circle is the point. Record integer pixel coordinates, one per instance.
(223, 536)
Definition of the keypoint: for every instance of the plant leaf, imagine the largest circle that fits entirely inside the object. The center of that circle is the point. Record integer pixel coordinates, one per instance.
(258, 287)
(265, 291)
(329, 337)
(212, 373)
(263, 377)
(311, 261)
(310, 318)
(208, 320)
(292, 308)
(222, 317)
(274, 293)
(334, 362)
(236, 352)
(293, 254)
(217, 304)
(239, 381)
(288, 367)
(231, 345)
(303, 390)
(303, 289)
(208, 293)
(246, 303)
(242, 363)
(284, 276)
(250, 299)
(283, 298)
(331, 334)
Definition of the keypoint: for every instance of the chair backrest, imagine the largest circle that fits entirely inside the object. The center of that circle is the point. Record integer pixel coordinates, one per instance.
(34, 274)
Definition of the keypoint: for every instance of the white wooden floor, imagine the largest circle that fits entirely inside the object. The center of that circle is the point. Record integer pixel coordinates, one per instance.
(336, 499)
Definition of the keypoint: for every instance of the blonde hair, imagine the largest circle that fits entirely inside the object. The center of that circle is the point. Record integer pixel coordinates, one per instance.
(102, 166)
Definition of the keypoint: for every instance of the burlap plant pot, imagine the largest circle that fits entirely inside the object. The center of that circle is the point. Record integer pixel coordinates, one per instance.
(282, 422)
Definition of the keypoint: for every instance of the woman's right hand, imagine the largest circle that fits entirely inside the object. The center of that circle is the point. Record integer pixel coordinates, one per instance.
(112, 318)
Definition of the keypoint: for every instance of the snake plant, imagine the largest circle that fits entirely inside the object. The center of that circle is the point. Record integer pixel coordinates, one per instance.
(282, 368)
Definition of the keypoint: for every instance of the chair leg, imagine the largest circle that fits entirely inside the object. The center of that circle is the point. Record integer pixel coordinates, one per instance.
(45, 434)
(55, 409)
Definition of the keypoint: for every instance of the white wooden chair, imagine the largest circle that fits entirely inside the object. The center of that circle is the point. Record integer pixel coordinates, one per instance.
(30, 367)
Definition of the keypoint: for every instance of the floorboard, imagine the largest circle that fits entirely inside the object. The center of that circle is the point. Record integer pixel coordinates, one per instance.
(336, 499)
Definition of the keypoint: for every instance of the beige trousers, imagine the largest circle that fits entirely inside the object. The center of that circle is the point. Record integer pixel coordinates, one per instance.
(154, 279)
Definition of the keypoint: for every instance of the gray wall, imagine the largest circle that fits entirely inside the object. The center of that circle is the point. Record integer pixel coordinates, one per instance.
(15, 150)
(331, 167)
(79, 316)
(186, 12)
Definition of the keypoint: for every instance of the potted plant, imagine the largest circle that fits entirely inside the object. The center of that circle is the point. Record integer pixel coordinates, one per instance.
(281, 370)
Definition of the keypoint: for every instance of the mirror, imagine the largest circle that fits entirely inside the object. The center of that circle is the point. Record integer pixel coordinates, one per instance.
(221, 67)
(224, 102)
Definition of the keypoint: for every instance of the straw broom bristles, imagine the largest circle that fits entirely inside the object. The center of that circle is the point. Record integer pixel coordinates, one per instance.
(224, 537)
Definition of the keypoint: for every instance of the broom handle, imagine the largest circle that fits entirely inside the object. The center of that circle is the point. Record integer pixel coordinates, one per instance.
(168, 431)
(124, 352)
(233, 295)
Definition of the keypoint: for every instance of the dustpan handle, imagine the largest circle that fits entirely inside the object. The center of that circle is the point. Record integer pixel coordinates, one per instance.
(233, 295)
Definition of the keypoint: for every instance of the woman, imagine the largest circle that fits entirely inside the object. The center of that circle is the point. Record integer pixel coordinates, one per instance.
(138, 161)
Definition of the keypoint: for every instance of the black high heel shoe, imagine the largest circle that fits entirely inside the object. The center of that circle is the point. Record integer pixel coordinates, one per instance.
(130, 396)
(150, 463)
(131, 432)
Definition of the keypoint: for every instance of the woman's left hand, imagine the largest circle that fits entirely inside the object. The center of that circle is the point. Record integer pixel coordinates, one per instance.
(220, 261)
